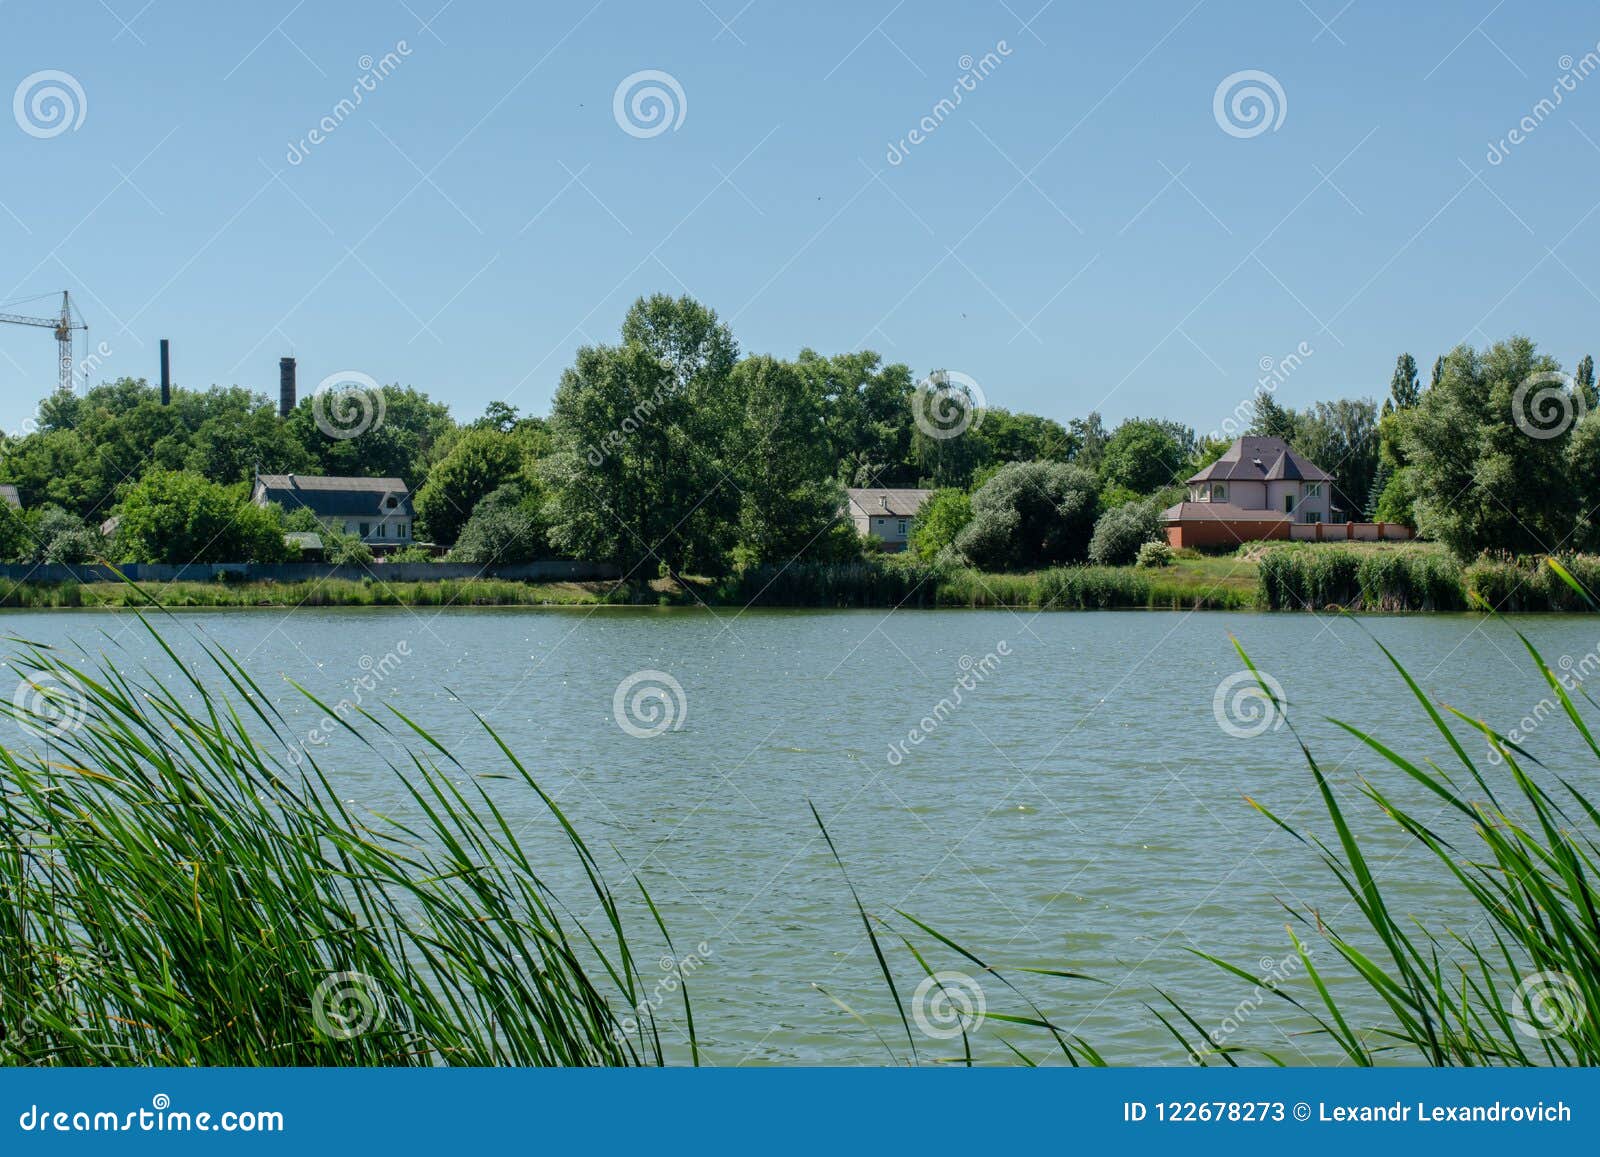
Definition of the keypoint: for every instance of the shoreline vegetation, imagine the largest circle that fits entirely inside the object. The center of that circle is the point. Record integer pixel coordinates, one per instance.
(204, 902)
(1390, 577)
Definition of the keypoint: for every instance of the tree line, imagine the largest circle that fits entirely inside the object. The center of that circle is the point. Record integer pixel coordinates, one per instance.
(672, 452)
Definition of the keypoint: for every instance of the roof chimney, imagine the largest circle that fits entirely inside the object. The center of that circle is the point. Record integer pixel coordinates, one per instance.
(883, 500)
(166, 375)
(285, 387)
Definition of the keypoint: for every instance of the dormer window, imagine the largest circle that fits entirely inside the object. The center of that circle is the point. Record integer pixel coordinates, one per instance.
(1219, 493)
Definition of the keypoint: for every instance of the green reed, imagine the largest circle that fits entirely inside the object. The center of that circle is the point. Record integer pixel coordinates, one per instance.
(175, 891)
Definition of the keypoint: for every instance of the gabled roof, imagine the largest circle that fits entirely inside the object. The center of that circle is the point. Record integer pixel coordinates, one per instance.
(331, 494)
(1261, 460)
(1220, 512)
(904, 503)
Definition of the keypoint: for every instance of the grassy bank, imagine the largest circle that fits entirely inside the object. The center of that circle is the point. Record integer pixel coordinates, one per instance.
(1305, 576)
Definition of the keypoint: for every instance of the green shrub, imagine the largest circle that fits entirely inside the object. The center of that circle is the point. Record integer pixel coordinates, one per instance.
(1154, 554)
(1121, 531)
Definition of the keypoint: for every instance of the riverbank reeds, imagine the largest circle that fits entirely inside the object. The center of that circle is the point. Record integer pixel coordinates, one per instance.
(1315, 577)
(173, 892)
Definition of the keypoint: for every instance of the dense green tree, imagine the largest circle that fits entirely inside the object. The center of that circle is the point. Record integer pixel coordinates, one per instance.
(1583, 381)
(479, 463)
(790, 503)
(16, 536)
(170, 516)
(1438, 372)
(1342, 437)
(1488, 452)
(507, 526)
(1145, 454)
(1269, 419)
(1030, 514)
(638, 435)
(942, 519)
(396, 439)
(1089, 440)
(1404, 386)
(60, 536)
(866, 415)
(1011, 437)
(1120, 532)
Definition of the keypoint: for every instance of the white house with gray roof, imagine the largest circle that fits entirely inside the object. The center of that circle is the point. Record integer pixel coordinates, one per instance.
(885, 514)
(378, 510)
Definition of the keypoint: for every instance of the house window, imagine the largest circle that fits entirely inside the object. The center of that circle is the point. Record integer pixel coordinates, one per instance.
(901, 528)
(1311, 516)
(399, 530)
(1219, 494)
(1313, 490)
(383, 530)
(1288, 503)
(366, 527)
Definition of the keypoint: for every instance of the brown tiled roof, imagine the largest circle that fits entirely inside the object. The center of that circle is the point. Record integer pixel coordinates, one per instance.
(1220, 512)
(895, 503)
(1261, 460)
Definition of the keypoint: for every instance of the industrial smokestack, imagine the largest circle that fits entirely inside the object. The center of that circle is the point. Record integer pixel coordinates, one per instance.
(166, 375)
(285, 387)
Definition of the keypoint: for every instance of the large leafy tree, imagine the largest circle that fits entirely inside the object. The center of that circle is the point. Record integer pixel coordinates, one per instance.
(790, 503)
(1030, 514)
(866, 415)
(638, 441)
(171, 516)
(1342, 438)
(1404, 388)
(479, 463)
(1145, 454)
(396, 440)
(942, 518)
(1488, 471)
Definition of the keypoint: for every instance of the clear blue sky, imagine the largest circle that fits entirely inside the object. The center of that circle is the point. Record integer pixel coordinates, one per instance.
(1080, 232)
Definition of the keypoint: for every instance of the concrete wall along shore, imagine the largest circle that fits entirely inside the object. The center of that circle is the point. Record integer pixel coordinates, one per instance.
(554, 570)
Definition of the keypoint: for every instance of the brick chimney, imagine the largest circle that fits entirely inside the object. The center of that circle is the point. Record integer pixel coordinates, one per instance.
(285, 387)
(166, 375)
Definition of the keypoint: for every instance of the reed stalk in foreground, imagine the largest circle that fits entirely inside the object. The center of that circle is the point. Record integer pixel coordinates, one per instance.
(172, 892)
(1520, 985)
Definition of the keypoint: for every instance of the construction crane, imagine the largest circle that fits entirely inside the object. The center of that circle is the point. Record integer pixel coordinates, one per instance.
(63, 324)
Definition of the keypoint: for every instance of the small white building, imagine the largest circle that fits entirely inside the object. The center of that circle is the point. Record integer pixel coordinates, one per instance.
(378, 510)
(886, 515)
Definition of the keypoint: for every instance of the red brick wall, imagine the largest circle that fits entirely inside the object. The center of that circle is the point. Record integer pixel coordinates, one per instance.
(1212, 532)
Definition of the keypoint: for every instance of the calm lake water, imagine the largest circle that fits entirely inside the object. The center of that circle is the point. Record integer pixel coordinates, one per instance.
(1082, 807)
